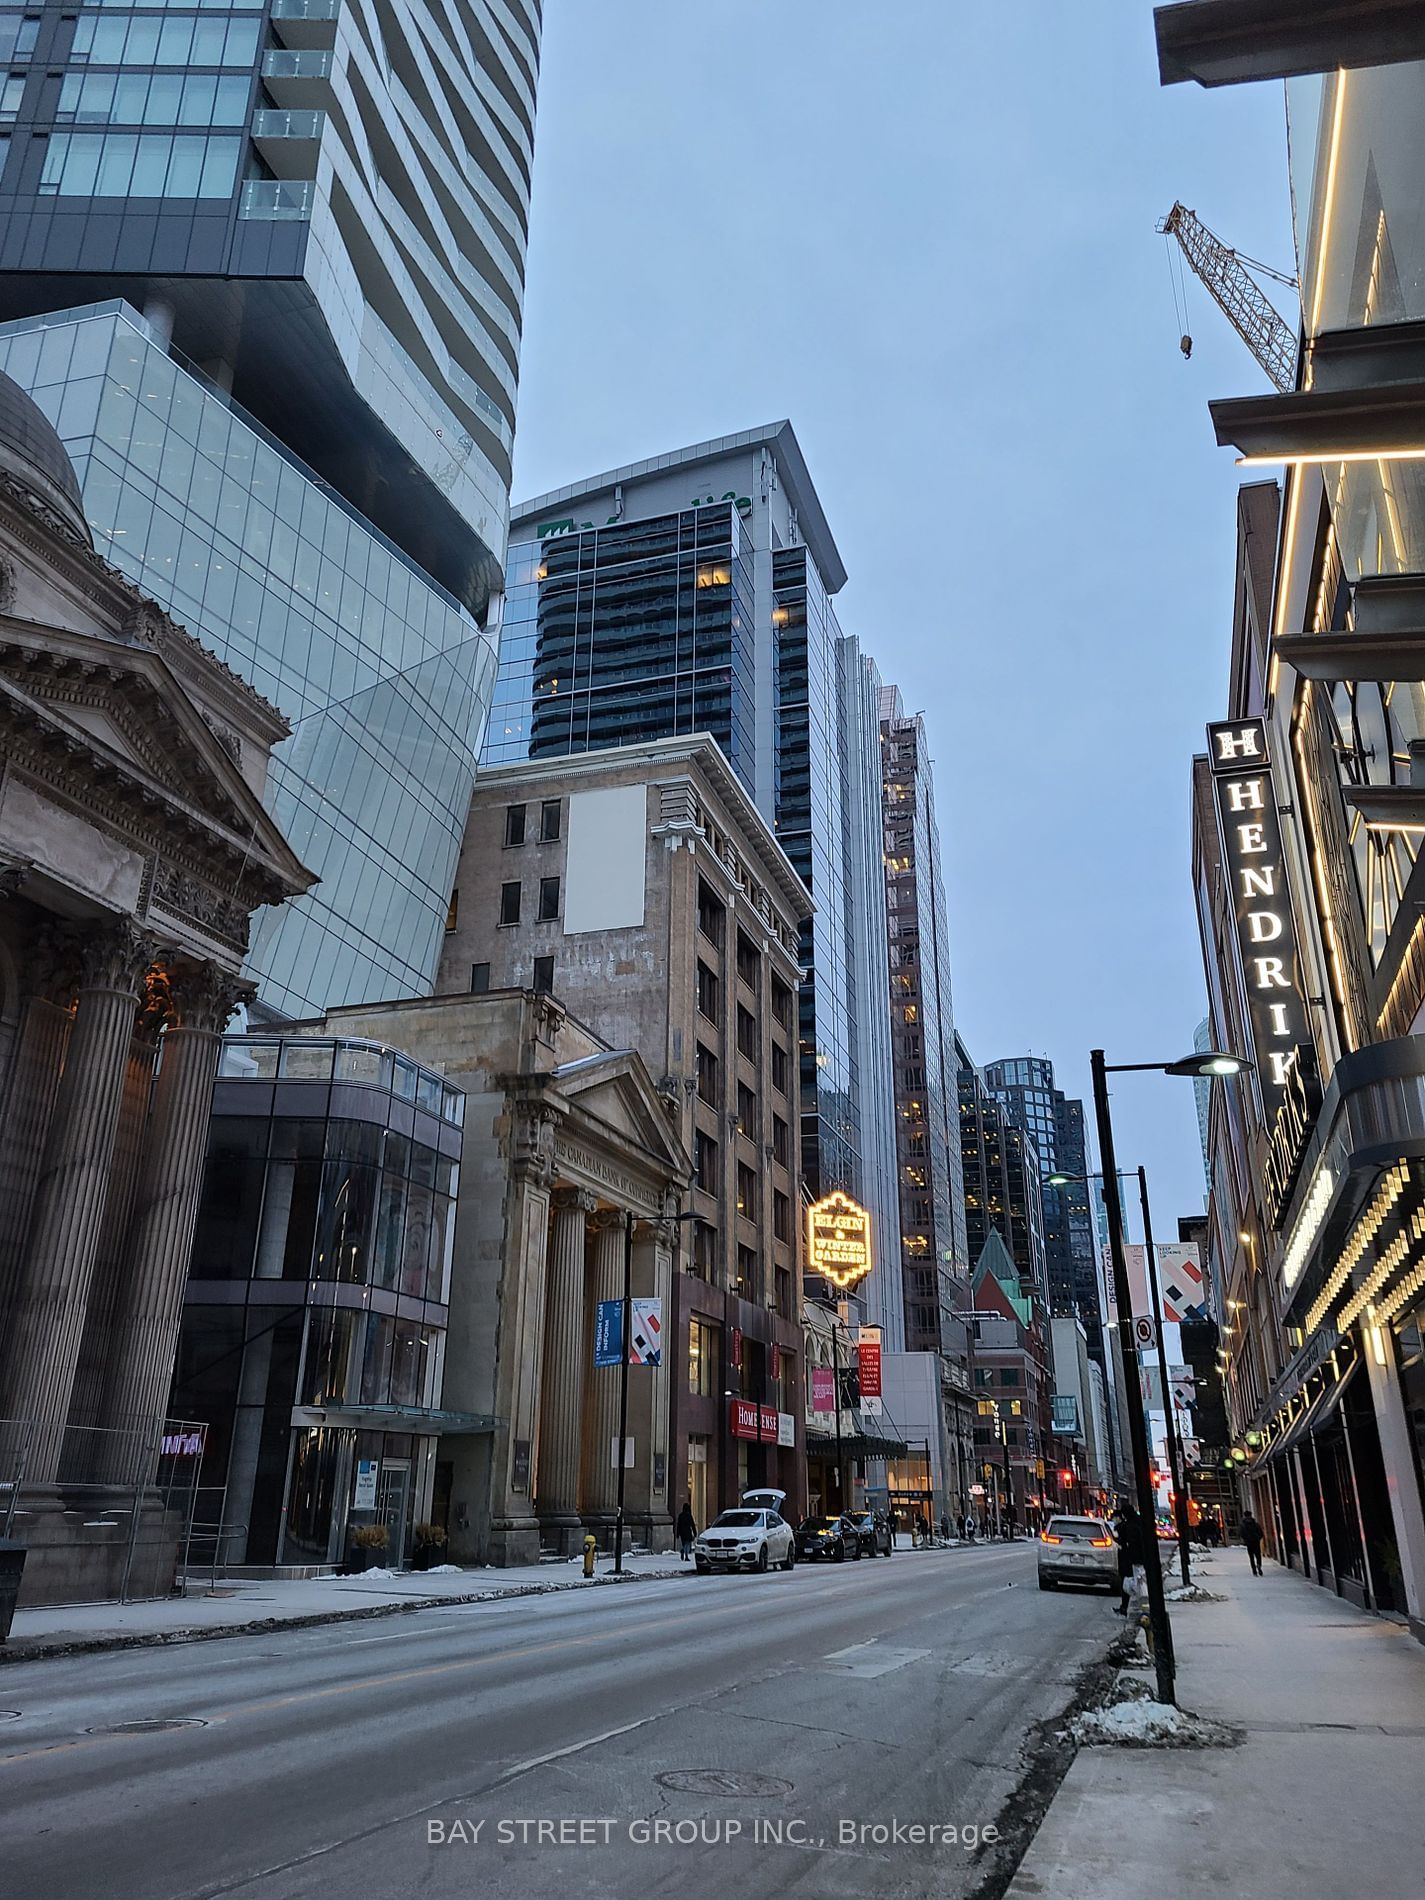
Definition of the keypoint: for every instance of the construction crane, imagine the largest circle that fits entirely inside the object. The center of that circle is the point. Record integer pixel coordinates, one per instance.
(1223, 272)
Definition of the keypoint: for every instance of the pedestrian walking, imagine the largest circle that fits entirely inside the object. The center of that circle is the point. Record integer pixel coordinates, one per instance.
(1128, 1529)
(1252, 1537)
(686, 1530)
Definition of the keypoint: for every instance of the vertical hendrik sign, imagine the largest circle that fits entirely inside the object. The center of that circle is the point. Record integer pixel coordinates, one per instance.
(1266, 937)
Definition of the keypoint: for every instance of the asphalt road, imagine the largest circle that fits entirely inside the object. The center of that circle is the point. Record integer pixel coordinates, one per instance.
(520, 1747)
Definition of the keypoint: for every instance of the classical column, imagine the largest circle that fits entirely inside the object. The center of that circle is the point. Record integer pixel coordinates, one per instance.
(601, 1491)
(51, 968)
(561, 1409)
(160, 1239)
(47, 1320)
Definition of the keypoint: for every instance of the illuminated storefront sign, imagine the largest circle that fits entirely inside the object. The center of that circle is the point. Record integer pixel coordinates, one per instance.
(839, 1240)
(1266, 937)
(761, 1423)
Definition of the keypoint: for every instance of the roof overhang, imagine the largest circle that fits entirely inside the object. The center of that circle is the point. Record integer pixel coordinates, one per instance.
(1232, 42)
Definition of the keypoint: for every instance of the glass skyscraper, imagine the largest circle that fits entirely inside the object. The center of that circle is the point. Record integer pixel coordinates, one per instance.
(263, 265)
(693, 593)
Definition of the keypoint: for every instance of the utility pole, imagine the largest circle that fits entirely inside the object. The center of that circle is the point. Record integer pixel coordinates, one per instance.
(1133, 1390)
(1175, 1461)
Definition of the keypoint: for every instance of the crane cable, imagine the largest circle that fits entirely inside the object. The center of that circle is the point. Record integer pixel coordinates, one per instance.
(1175, 283)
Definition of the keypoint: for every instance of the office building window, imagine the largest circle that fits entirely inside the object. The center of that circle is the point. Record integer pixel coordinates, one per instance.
(509, 903)
(712, 918)
(549, 820)
(514, 825)
(198, 99)
(747, 1032)
(479, 979)
(138, 165)
(180, 40)
(548, 899)
(747, 1117)
(702, 1358)
(746, 1191)
(704, 1250)
(779, 1068)
(709, 1081)
(543, 975)
(781, 1216)
(18, 34)
(781, 1003)
(746, 1272)
(784, 1307)
(706, 1160)
(749, 961)
(452, 912)
(781, 1141)
(707, 992)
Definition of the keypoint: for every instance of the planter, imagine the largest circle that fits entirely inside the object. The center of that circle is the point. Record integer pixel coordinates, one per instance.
(427, 1556)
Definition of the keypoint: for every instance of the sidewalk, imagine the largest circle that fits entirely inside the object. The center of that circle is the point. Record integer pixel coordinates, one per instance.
(237, 1608)
(1324, 1796)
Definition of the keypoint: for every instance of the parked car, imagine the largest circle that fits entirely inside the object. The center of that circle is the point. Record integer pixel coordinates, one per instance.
(745, 1540)
(873, 1532)
(835, 1538)
(1077, 1550)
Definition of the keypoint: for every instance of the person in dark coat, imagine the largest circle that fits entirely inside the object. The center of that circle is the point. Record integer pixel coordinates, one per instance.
(1128, 1529)
(685, 1530)
(1253, 1536)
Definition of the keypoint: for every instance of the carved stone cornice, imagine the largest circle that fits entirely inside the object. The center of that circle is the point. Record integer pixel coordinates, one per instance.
(185, 895)
(609, 1219)
(14, 875)
(533, 1126)
(660, 1232)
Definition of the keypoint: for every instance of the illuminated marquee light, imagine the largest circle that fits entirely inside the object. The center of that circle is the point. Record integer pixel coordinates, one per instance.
(1362, 1234)
(839, 1240)
(1308, 1226)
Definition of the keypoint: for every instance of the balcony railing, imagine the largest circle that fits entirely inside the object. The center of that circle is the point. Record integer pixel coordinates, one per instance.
(277, 198)
(310, 62)
(287, 122)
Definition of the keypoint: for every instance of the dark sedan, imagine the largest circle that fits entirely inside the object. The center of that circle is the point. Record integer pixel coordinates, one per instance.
(873, 1532)
(835, 1538)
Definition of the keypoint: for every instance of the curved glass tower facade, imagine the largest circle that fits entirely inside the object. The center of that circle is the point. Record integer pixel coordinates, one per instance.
(262, 263)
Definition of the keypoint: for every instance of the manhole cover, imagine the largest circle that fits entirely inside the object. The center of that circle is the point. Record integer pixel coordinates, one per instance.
(724, 1781)
(154, 1725)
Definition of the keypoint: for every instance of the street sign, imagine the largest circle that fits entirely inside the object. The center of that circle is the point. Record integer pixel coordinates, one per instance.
(608, 1332)
(627, 1454)
(365, 1498)
(1143, 1330)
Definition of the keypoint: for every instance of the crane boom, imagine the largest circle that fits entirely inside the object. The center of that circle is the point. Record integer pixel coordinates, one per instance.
(1223, 275)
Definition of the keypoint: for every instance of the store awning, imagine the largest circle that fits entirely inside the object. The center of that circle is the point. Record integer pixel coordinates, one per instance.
(855, 1445)
(1316, 1413)
(423, 1422)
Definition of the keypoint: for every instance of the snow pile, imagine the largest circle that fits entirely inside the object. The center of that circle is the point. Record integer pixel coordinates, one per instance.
(1135, 1721)
(444, 1570)
(1193, 1593)
(378, 1571)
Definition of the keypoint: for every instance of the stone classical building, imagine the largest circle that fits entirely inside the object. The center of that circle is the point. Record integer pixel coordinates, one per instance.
(641, 886)
(134, 848)
(570, 1157)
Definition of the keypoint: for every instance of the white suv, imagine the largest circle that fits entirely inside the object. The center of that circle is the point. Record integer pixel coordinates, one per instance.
(1077, 1550)
(745, 1539)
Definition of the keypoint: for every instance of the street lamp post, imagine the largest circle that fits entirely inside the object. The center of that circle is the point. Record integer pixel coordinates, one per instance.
(1209, 1062)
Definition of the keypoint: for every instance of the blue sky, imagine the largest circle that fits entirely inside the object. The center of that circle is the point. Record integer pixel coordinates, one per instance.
(923, 230)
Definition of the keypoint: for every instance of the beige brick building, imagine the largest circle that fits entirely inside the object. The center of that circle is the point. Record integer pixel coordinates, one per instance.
(644, 891)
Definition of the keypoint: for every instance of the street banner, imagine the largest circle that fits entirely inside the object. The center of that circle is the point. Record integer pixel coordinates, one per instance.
(868, 1362)
(823, 1389)
(608, 1332)
(737, 1345)
(1180, 1279)
(646, 1346)
(776, 1361)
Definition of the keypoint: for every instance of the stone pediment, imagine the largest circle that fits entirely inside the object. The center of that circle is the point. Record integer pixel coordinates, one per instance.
(616, 1091)
(117, 729)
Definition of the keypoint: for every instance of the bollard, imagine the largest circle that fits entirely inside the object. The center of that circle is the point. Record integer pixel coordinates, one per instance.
(591, 1545)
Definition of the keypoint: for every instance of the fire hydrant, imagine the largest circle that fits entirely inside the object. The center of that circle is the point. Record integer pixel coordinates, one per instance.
(591, 1545)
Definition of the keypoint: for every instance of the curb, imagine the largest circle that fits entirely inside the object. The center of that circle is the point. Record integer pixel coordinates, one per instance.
(41, 1649)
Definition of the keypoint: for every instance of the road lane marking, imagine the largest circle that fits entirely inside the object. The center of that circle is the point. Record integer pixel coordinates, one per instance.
(575, 1748)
